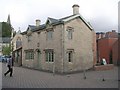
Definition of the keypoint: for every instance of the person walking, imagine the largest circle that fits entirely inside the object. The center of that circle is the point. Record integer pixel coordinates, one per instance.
(10, 66)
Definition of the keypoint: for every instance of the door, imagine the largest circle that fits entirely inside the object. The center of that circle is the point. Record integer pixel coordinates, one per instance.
(39, 58)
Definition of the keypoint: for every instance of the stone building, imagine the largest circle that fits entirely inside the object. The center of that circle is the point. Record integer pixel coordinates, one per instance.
(17, 48)
(60, 45)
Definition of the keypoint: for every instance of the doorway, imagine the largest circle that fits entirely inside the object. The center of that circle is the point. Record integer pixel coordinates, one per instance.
(38, 59)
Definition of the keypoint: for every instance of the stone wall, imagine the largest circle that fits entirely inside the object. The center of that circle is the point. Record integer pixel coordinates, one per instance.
(82, 43)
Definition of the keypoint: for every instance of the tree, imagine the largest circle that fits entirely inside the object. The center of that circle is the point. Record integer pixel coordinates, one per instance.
(6, 50)
(6, 29)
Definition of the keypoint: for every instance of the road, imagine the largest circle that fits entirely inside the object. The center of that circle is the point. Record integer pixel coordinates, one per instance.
(28, 78)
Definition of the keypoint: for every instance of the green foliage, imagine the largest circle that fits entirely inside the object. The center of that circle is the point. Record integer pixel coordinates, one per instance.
(6, 29)
(6, 50)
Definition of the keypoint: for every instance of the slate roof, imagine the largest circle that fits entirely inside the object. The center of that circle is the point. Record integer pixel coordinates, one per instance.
(67, 17)
(58, 21)
(23, 33)
(53, 20)
(32, 27)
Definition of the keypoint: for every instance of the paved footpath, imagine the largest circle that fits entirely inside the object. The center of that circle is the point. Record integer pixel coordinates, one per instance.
(27, 78)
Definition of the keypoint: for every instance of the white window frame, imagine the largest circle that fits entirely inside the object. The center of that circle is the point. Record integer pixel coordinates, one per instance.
(49, 54)
(29, 54)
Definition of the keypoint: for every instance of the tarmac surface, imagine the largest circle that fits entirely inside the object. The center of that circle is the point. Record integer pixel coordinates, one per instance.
(29, 78)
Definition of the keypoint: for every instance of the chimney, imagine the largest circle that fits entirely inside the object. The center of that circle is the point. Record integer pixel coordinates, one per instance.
(37, 22)
(75, 9)
(113, 31)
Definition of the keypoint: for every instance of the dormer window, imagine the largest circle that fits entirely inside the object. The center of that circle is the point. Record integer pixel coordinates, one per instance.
(48, 23)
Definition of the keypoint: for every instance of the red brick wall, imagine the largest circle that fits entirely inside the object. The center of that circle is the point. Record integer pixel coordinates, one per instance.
(112, 34)
(104, 67)
(115, 52)
(105, 48)
(119, 50)
(112, 41)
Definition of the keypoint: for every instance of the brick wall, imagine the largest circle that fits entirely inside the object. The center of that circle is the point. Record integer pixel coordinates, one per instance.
(105, 48)
(104, 67)
(115, 53)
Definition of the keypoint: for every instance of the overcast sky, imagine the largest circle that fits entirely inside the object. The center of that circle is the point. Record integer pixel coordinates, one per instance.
(102, 14)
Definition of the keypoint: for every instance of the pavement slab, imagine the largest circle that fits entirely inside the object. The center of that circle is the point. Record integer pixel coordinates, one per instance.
(29, 78)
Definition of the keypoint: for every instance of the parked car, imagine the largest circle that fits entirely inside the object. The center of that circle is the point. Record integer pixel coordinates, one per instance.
(3, 59)
(0, 58)
(7, 58)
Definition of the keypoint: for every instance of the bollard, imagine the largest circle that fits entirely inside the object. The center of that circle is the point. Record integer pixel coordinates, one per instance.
(84, 74)
(103, 79)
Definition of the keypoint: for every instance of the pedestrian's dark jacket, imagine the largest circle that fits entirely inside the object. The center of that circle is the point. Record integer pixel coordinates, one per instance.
(10, 62)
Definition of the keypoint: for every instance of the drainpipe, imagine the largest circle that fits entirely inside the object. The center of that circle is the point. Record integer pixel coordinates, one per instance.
(54, 64)
(63, 28)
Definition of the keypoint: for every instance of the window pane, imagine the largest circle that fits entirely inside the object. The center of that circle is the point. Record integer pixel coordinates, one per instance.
(29, 55)
(49, 56)
(49, 35)
(52, 57)
(32, 55)
(46, 54)
(29, 38)
(70, 56)
(69, 34)
(25, 55)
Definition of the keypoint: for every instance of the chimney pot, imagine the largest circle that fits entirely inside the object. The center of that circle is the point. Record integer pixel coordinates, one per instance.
(113, 31)
(75, 9)
(37, 22)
